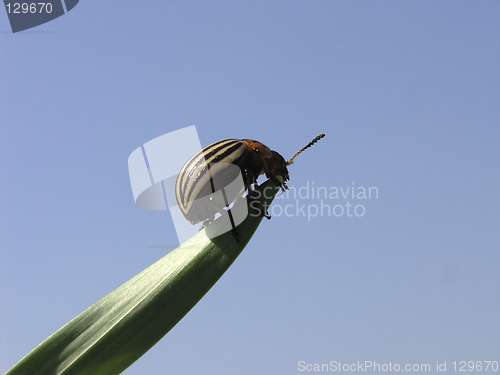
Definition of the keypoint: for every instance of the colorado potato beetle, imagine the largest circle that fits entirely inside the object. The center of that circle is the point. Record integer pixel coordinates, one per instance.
(220, 163)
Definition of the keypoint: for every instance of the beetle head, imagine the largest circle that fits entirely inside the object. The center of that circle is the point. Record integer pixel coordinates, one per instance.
(277, 166)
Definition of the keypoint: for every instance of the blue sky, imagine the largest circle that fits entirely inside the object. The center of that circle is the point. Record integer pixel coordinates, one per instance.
(408, 95)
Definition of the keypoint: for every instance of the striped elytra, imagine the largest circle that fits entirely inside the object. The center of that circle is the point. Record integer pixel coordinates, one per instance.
(216, 166)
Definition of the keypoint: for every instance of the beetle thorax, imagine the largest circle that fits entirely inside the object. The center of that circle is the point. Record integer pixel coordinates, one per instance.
(263, 160)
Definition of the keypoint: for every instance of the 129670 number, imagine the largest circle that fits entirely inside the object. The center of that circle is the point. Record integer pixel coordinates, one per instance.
(23, 8)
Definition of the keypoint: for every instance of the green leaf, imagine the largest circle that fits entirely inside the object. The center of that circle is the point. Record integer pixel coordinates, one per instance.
(118, 329)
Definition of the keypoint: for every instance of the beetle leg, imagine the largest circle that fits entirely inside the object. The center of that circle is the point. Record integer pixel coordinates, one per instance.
(278, 183)
(283, 187)
(249, 179)
(245, 173)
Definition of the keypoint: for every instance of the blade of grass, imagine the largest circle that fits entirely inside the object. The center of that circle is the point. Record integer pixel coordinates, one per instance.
(118, 329)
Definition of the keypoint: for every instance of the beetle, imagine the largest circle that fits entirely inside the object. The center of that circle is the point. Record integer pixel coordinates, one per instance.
(217, 165)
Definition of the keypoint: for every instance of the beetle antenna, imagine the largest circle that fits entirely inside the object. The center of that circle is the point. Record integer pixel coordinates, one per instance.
(304, 148)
